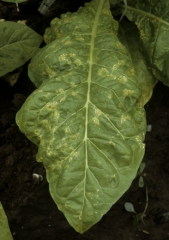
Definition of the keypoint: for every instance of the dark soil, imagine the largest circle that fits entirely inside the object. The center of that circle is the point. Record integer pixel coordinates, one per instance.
(30, 209)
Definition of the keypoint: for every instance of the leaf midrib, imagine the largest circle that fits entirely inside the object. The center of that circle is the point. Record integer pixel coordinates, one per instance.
(93, 35)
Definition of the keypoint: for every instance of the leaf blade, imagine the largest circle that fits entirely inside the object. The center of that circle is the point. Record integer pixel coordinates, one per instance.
(85, 115)
(4, 227)
(18, 44)
(152, 20)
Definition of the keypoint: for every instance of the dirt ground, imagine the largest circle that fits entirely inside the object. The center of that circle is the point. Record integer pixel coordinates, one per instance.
(30, 209)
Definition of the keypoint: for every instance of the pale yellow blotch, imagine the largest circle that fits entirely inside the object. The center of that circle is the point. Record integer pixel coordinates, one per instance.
(40, 159)
(75, 154)
(68, 42)
(128, 92)
(71, 148)
(59, 163)
(47, 94)
(80, 39)
(142, 33)
(124, 118)
(49, 152)
(74, 136)
(63, 58)
(118, 44)
(112, 143)
(51, 105)
(74, 93)
(113, 176)
(121, 62)
(109, 96)
(138, 139)
(96, 120)
(103, 72)
(105, 11)
(66, 166)
(52, 166)
(115, 66)
(72, 84)
(36, 131)
(97, 112)
(56, 115)
(132, 71)
(123, 79)
(62, 99)
(118, 64)
(72, 55)
(60, 90)
(45, 123)
(78, 62)
(77, 27)
(80, 215)
(67, 129)
(70, 159)
(113, 77)
(58, 34)
(50, 72)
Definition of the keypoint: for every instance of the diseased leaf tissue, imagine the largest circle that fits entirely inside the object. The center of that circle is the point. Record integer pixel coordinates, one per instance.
(87, 114)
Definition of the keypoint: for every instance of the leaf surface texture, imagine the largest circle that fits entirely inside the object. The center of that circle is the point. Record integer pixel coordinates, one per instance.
(18, 44)
(87, 114)
(152, 20)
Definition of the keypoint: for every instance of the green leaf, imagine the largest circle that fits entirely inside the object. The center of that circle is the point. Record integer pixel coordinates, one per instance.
(129, 207)
(152, 20)
(87, 115)
(18, 43)
(162, 218)
(141, 182)
(141, 168)
(5, 233)
(14, 1)
(129, 36)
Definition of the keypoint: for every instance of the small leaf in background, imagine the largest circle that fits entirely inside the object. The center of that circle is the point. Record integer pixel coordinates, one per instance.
(141, 168)
(22, 22)
(14, 1)
(129, 207)
(149, 128)
(152, 20)
(12, 77)
(162, 218)
(5, 233)
(18, 44)
(141, 182)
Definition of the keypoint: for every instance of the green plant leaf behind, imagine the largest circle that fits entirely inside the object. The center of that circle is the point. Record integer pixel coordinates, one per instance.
(86, 116)
(141, 168)
(152, 20)
(18, 43)
(129, 36)
(5, 233)
(14, 1)
(129, 207)
(141, 182)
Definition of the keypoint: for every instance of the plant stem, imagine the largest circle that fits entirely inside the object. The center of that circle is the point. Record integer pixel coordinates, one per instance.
(17, 7)
(146, 206)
